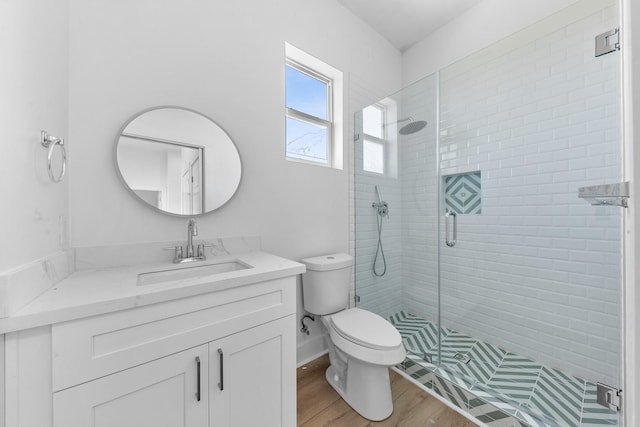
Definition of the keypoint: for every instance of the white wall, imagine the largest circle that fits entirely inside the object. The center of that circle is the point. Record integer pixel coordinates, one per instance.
(480, 26)
(33, 84)
(226, 60)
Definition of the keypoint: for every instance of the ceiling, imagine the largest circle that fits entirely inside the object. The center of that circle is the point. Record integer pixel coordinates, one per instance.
(405, 22)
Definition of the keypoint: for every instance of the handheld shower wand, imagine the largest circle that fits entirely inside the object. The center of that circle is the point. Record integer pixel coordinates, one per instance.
(382, 209)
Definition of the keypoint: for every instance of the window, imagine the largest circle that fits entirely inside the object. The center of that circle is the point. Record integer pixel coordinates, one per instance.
(313, 110)
(380, 138)
(308, 100)
(374, 142)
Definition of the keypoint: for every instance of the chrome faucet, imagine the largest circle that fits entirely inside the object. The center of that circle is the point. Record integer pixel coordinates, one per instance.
(192, 230)
(191, 253)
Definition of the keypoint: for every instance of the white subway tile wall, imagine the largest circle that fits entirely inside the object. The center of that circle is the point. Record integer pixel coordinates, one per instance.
(538, 271)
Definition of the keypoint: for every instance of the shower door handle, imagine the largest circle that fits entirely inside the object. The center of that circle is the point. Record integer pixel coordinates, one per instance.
(450, 242)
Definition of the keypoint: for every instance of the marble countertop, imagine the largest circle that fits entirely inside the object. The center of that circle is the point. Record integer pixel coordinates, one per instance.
(102, 290)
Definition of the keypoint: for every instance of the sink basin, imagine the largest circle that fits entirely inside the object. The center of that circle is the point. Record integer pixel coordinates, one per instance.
(190, 272)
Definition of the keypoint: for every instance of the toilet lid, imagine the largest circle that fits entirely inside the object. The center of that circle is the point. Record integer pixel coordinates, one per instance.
(366, 329)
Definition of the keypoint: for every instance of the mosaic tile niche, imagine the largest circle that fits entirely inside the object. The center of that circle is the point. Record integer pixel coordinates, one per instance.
(462, 193)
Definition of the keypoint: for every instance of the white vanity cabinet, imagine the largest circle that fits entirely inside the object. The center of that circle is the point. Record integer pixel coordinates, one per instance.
(223, 359)
(161, 393)
(244, 379)
(251, 380)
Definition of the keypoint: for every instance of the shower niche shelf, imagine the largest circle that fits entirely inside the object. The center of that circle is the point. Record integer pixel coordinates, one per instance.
(606, 195)
(463, 193)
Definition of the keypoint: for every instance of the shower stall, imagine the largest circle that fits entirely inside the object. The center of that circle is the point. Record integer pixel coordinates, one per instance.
(504, 284)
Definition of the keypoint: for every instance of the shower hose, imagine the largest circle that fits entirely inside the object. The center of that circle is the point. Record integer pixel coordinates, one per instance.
(379, 249)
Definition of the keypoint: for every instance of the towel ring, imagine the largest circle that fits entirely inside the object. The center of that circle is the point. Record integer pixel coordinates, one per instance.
(50, 142)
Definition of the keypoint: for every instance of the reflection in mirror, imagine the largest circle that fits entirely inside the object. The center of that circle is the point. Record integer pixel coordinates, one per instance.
(178, 161)
(167, 175)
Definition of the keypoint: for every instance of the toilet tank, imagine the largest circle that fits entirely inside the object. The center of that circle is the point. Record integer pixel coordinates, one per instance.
(325, 285)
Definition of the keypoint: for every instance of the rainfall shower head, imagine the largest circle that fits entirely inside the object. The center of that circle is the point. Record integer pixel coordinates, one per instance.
(412, 126)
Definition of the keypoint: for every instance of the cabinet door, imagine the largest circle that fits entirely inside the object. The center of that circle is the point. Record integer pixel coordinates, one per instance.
(161, 393)
(252, 377)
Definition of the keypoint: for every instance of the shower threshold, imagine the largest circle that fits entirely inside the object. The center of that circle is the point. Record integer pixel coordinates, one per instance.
(493, 385)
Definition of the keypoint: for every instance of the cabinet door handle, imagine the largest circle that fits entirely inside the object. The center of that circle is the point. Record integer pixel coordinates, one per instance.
(198, 378)
(221, 383)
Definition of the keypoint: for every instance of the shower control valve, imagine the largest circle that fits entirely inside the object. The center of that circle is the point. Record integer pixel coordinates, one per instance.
(382, 208)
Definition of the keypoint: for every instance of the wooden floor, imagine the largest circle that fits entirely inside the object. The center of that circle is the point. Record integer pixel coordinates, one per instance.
(320, 405)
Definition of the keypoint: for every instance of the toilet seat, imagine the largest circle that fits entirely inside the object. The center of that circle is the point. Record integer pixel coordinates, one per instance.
(366, 329)
(384, 349)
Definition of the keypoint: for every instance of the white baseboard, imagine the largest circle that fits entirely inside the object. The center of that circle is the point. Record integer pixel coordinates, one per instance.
(310, 348)
(312, 358)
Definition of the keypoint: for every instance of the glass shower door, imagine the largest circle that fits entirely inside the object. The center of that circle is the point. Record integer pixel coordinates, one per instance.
(504, 284)
(530, 274)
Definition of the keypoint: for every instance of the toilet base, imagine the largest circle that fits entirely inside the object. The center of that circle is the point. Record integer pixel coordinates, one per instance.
(366, 389)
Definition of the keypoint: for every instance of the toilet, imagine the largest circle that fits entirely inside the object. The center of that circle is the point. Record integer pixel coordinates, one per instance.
(362, 345)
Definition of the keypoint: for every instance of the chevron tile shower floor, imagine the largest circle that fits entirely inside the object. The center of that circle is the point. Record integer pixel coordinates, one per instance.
(497, 387)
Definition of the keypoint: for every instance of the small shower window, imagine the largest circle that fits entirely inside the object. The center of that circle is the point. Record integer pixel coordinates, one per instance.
(312, 102)
(374, 145)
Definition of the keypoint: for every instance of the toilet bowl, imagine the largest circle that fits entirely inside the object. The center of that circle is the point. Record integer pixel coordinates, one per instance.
(362, 345)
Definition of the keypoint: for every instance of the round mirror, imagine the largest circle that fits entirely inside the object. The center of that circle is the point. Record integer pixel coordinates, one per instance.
(178, 161)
